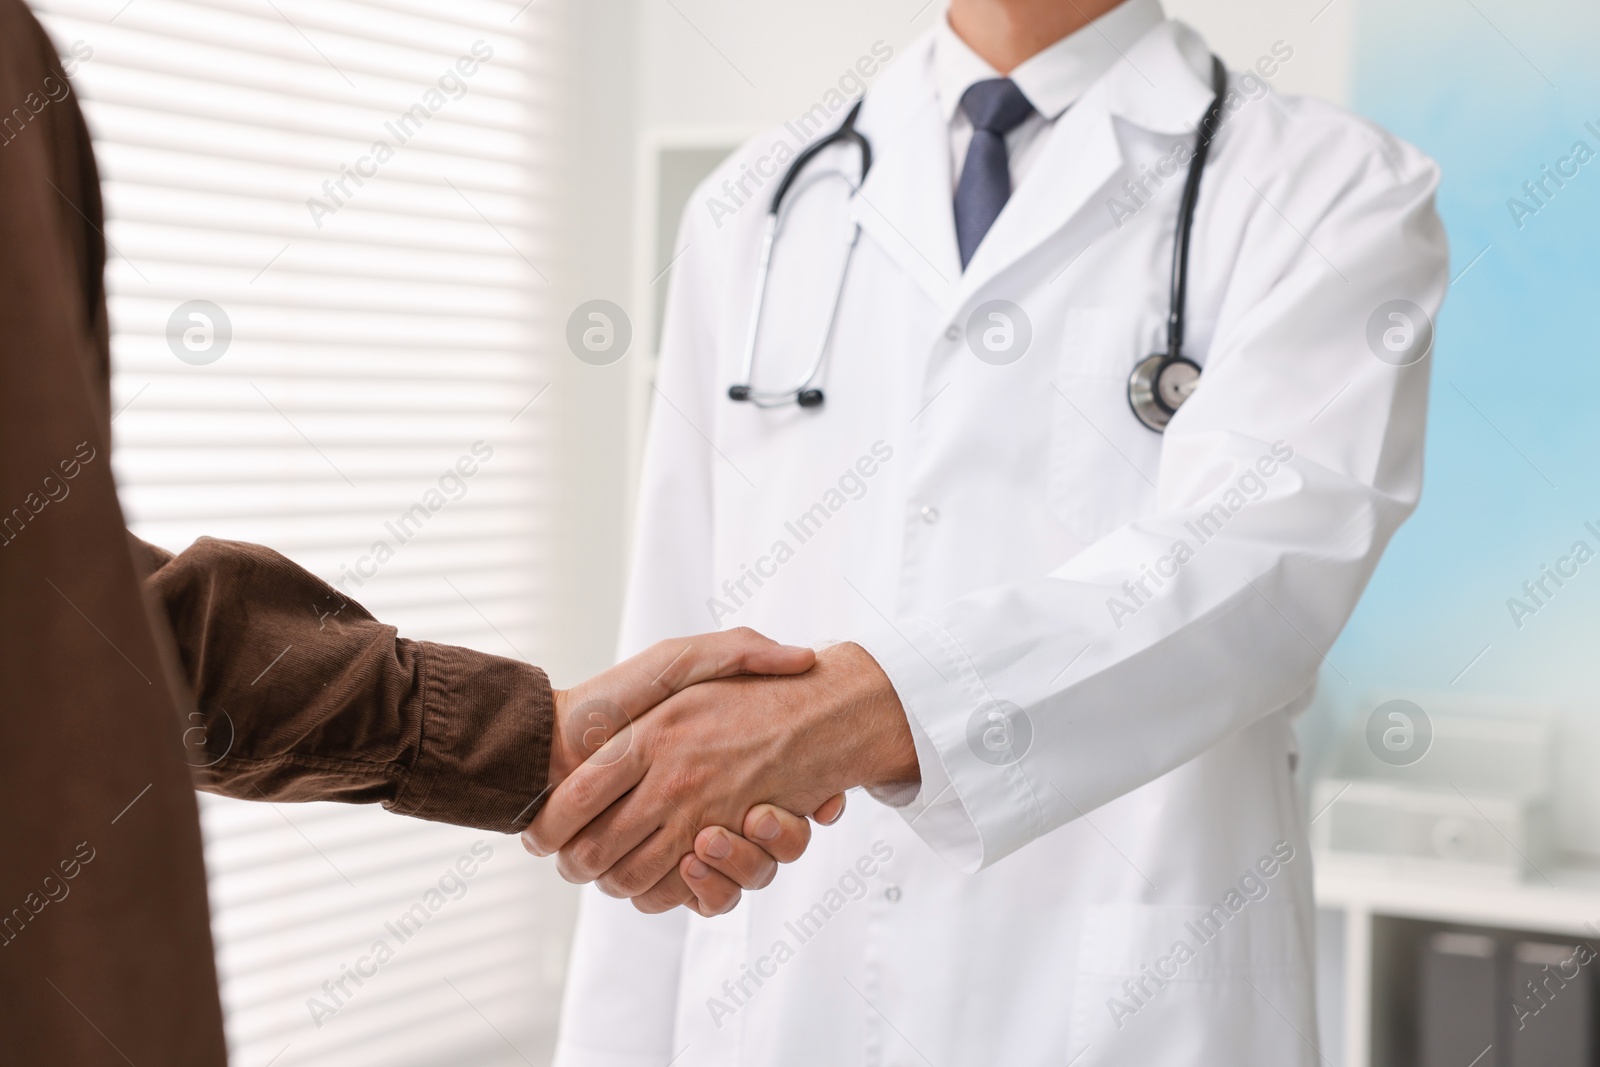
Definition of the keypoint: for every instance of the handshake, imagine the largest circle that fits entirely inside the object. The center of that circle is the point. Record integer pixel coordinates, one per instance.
(653, 761)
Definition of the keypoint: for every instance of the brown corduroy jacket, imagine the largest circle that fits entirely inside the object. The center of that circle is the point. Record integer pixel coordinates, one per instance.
(130, 675)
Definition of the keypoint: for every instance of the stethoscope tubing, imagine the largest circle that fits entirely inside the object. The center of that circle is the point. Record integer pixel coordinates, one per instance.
(765, 398)
(802, 392)
(1144, 394)
(1178, 292)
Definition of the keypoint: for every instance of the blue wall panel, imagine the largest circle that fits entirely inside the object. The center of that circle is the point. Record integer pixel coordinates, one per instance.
(1496, 91)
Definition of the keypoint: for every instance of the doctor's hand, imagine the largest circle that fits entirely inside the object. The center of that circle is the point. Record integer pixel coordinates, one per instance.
(589, 714)
(630, 816)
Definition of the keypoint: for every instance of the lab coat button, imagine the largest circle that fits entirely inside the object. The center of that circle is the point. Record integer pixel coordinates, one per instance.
(892, 893)
(930, 514)
(952, 333)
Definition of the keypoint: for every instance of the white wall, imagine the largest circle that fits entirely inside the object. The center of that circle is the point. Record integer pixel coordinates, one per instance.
(732, 64)
(725, 63)
(596, 173)
(1319, 31)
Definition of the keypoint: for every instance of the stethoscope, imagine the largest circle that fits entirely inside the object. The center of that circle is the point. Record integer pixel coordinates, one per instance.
(803, 393)
(1159, 384)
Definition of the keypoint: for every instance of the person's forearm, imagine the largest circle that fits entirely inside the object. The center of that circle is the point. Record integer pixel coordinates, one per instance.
(302, 695)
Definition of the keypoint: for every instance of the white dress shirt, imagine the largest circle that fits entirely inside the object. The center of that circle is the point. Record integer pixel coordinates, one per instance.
(1051, 80)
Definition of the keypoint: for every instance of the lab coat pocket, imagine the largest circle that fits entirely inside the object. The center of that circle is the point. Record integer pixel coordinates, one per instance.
(1236, 983)
(1103, 461)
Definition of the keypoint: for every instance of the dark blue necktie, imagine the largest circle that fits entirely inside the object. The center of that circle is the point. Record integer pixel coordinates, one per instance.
(996, 107)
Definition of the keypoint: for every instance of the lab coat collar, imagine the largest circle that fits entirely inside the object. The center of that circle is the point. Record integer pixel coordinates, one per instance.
(1155, 87)
(1161, 83)
(903, 204)
(1054, 78)
(1164, 82)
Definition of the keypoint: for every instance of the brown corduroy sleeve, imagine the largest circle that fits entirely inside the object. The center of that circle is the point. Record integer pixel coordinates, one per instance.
(303, 695)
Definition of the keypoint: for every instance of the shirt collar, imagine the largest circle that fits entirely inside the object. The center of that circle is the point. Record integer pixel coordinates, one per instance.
(1054, 78)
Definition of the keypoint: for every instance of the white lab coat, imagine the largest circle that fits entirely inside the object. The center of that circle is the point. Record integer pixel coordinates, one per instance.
(1030, 912)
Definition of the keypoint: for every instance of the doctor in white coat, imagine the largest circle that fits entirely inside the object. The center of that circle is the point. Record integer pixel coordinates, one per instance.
(1098, 633)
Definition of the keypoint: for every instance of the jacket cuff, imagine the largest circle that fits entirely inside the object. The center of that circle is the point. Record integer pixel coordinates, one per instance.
(972, 807)
(483, 758)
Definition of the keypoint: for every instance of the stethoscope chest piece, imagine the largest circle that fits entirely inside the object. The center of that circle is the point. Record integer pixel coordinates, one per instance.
(1158, 387)
(1161, 383)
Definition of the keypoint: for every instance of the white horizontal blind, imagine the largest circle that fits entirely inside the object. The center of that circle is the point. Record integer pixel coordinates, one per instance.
(357, 187)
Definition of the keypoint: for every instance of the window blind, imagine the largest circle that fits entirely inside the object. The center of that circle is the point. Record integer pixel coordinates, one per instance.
(328, 222)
